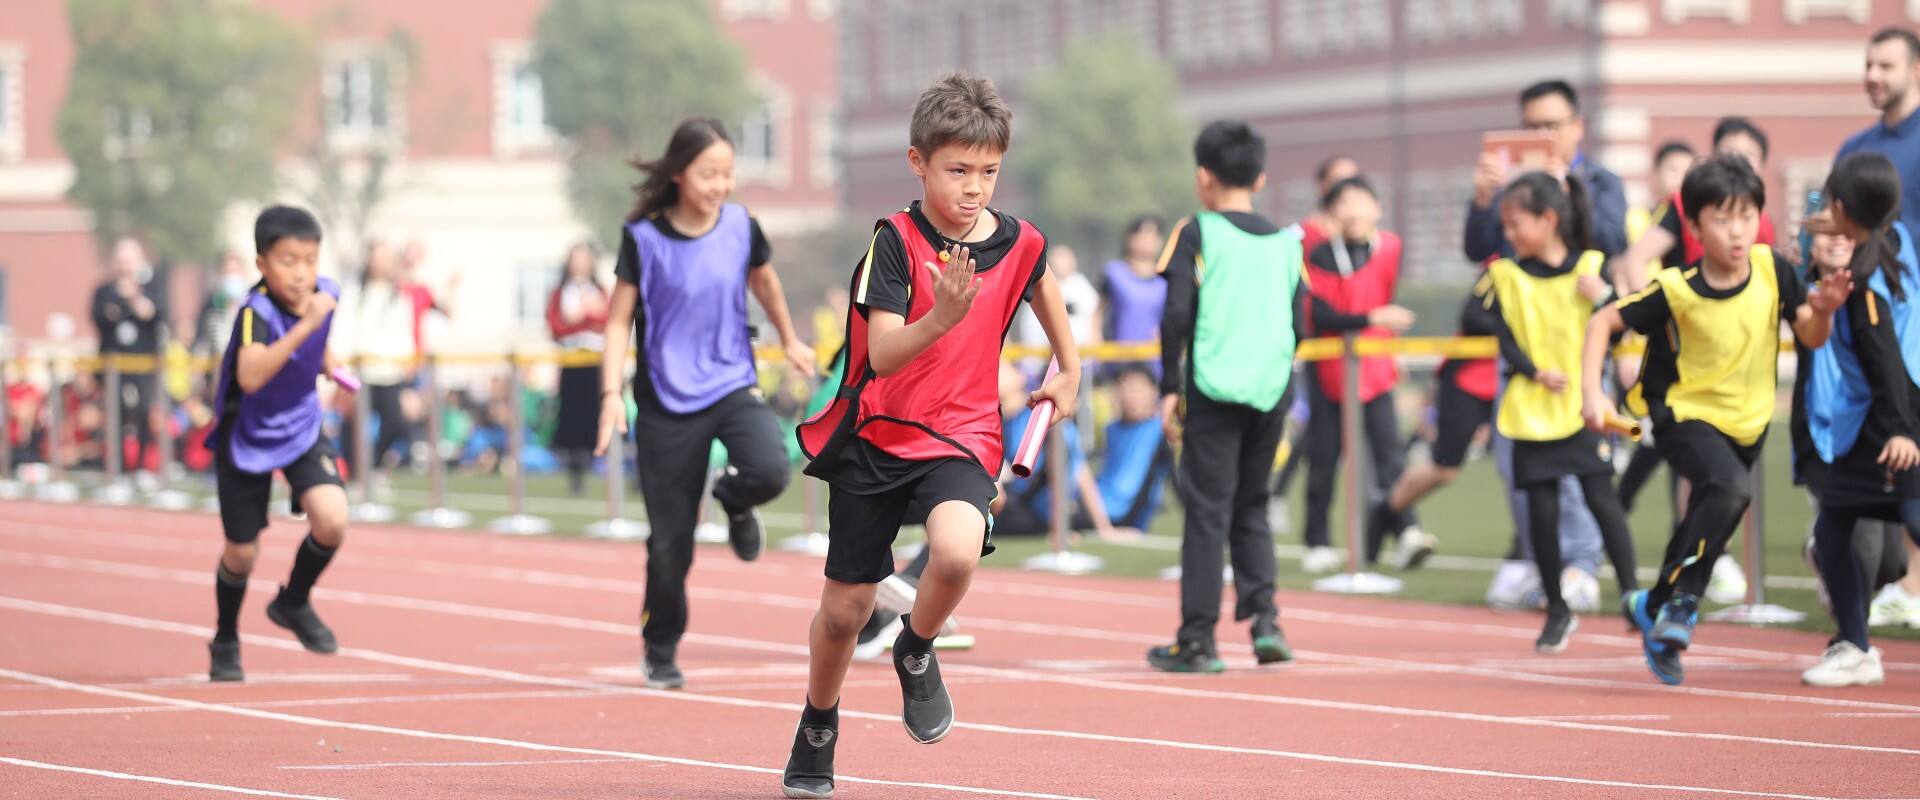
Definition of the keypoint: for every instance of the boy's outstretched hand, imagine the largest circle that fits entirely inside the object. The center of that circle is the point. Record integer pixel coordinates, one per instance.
(954, 287)
(1064, 390)
(1831, 293)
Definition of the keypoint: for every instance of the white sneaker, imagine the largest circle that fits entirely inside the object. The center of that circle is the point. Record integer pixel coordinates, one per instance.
(876, 648)
(1729, 582)
(1845, 665)
(1893, 606)
(897, 594)
(1581, 590)
(1512, 584)
(1416, 545)
(1278, 516)
(1322, 560)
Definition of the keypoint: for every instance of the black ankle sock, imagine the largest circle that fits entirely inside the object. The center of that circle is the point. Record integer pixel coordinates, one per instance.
(822, 717)
(910, 642)
(228, 591)
(307, 566)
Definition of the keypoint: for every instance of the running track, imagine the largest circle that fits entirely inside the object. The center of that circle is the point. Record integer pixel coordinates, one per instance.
(479, 666)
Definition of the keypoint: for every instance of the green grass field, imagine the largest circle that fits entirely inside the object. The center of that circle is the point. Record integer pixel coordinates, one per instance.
(1470, 518)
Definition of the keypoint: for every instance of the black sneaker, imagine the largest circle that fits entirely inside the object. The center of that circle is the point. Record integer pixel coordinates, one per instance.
(1269, 642)
(305, 624)
(927, 711)
(1185, 657)
(658, 666)
(226, 662)
(744, 535)
(1560, 626)
(809, 772)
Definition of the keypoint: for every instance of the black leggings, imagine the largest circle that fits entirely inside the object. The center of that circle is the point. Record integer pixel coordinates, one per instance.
(1543, 528)
(395, 428)
(1843, 573)
(1719, 472)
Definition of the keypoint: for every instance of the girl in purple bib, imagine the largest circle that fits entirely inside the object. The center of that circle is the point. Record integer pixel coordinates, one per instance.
(687, 260)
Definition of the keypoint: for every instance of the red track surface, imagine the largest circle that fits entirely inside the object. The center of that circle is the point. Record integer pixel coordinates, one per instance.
(476, 666)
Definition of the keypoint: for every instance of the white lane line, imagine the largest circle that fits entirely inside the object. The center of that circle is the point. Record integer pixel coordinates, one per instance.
(1041, 629)
(416, 764)
(122, 619)
(415, 733)
(628, 630)
(123, 776)
(546, 694)
(790, 708)
(989, 585)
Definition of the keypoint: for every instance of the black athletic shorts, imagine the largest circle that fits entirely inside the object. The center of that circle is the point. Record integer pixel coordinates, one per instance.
(1458, 416)
(244, 496)
(861, 527)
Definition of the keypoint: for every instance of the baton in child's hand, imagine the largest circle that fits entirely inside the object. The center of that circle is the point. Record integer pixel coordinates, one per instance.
(1028, 452)
(344, 379)
(1623, 426)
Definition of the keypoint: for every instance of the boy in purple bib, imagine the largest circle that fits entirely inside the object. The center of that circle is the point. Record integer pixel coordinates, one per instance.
(270, 420)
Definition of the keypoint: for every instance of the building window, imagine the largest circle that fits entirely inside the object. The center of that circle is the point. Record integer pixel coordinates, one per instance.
(12, 103)
(1011, 38)
(361, 98)
(853, 56)
(760, 150)
(1369, 23)
(519, 105)
(1218, 33)
(1426, 21)
(916, 44)
(823, 157)
(1568, 13)
(733, 10)
(1677, 11)
(1798, 11)
(1436, 213)
(1093, 17)
(1504, 16)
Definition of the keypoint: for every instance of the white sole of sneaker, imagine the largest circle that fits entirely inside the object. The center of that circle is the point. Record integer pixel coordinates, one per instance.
(941, 734)
(1553, 650)
(805, 794)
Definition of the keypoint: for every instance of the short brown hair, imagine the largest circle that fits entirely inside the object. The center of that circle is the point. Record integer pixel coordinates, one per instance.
(961, 108)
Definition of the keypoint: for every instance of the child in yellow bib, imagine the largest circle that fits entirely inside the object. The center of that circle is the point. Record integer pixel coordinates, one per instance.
(1543, 297)
(1710, 389)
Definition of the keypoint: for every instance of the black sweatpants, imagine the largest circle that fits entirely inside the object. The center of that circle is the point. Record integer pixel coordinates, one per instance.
(671, 452)
(1849, 583)
(1226, 458)
(396, 431)
(1720, 472)
(1325, 443)
(1543, 526)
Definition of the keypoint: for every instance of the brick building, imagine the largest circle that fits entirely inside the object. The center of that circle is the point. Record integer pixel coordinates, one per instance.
(477, 175)
(1405, 86)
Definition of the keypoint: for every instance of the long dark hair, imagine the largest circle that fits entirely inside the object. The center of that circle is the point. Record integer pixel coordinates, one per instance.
(566, 265)
(1537, 193)
(1867, 188)
(658, 192)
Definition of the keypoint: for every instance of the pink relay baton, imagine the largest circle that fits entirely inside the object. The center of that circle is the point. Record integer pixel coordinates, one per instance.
(344, 379)
(1028, 452)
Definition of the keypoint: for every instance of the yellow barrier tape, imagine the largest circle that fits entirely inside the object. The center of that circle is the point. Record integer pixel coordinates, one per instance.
(1316, 349)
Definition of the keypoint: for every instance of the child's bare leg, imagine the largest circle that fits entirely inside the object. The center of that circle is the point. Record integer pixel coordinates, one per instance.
(1419, 482)
(955, 533)
(844, 608)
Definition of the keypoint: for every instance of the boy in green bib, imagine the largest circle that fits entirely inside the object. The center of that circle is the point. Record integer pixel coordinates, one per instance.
(1227, 340)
